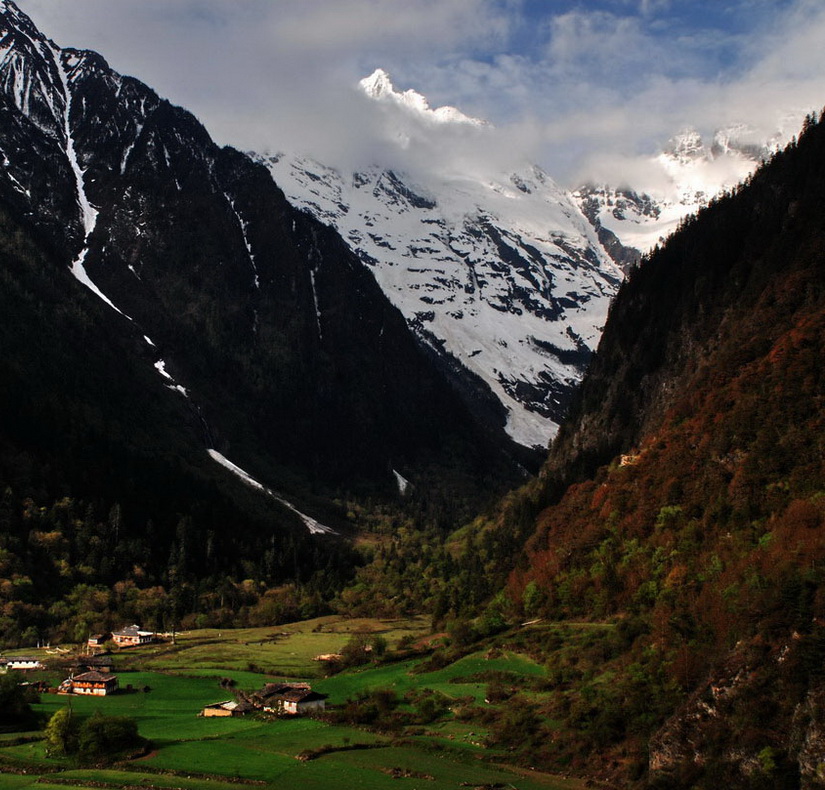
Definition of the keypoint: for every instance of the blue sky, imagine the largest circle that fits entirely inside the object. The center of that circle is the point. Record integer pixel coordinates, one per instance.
(580, 87)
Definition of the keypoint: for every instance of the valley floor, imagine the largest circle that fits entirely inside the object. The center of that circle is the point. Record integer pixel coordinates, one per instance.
(188, 751)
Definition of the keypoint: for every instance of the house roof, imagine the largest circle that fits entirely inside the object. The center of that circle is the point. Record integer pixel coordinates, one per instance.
(129, 630)
(235, 706)
(132, 630)
(229, 704)
(289, 692)
(308, 696)
(276, 689)
(97, 661)
(95, 677)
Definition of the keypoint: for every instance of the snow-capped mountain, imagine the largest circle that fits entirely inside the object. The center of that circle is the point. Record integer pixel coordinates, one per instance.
(378, 86)
(497, 271)
(685, 175)
(251, 331)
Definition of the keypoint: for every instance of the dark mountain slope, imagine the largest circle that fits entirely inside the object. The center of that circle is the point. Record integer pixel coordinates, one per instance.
(298, 364)
(160, 300)
(683, 304)
(103, 476)
(705, 540)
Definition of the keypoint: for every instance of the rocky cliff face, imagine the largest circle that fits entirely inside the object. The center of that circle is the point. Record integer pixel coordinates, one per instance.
(698, 740)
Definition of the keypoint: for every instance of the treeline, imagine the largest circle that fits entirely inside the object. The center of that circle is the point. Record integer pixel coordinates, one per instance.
(75, 567)
(414, 560)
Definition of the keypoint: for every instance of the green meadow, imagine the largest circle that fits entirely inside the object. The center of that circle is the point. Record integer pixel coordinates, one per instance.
(284, 650)
(189, 751)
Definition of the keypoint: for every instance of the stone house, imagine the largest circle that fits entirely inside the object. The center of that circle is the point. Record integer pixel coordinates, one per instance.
(132, 636)
(289, 698)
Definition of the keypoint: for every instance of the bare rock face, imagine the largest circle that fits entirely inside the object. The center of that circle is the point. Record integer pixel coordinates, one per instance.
(717, 733)
(751, 724)
(679, 742)
(808, 739)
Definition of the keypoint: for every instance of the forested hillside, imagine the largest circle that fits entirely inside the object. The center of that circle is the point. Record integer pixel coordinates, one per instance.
(696, 514)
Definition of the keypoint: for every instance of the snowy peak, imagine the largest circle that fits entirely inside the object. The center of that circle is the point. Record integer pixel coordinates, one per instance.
(687, 146)
(379, 87)
(29, 73)
(14, 21)
(492, 264)
(499, 275)
(738, 141)
(683, 178)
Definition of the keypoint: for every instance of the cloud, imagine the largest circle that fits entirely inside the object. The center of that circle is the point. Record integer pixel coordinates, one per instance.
(411, 29)
(575, 87)
(272, 75)
(609, 89)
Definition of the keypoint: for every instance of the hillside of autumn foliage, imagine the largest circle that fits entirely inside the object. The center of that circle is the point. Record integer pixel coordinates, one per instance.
(697, 511)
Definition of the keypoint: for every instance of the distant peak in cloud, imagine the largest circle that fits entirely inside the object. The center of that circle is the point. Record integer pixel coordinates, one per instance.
(735, 140)
(379, 87)
(685, 146)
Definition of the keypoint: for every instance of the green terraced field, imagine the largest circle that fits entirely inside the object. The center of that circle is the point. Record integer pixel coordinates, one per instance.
(189, 751)
(286, 650)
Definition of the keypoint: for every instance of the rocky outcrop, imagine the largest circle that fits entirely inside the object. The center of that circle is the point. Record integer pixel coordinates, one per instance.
(808, 739)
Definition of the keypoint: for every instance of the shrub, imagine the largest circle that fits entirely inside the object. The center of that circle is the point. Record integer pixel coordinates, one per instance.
(101, 737)
(15, 711)
(61, 733)
(98, 739)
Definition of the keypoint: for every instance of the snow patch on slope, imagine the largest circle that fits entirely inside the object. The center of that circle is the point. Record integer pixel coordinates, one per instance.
(402, 482)
(315, 527)
(88, 213)
(160, 367)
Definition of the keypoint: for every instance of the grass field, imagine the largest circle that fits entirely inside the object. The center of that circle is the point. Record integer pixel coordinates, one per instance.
(286, 650)
(399, 677)
(189, 751)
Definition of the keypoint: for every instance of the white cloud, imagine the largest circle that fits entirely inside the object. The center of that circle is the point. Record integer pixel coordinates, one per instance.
(576, 89)
(414, 29)
(271, 75)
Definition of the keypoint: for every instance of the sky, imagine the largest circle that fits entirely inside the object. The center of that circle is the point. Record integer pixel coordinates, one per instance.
(588, 90)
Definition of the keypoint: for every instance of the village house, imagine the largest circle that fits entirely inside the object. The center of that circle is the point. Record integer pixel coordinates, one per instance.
(20, 663)
(131, 636)
(88, 663)
(289, 698)
(99, 684)
(98, 640)
(228, 708)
